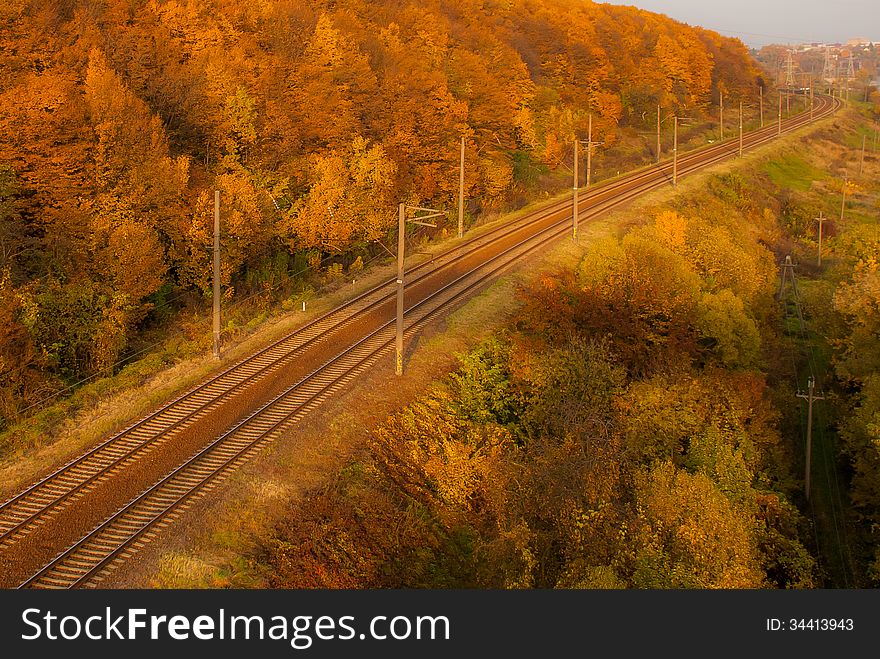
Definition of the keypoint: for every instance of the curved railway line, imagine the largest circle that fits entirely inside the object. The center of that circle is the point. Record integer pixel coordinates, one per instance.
(75, 525)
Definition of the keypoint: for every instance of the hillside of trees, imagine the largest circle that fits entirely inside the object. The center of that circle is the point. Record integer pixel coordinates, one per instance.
(314, 118)
(635, 424)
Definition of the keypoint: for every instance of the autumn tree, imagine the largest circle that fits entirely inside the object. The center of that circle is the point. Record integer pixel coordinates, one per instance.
(350, 199)
(690, 535)
(858, 301)
(21, 379)
(12, 239)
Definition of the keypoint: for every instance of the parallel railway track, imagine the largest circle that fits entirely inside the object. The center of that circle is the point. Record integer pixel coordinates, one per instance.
(88, 560)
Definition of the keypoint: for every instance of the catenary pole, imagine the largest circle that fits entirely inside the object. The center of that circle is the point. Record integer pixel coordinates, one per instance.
(574, 193)
(761, 103)
(590, 151)
(658, 134)
(401, 227)
(461, 192)
(740, 129)
(779, 116)
(216, 314)
(675, 151)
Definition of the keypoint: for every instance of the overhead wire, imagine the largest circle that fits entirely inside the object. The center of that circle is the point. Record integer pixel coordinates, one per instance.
(838, 522)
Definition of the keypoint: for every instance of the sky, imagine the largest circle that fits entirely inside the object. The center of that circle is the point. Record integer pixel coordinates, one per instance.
(759, 22)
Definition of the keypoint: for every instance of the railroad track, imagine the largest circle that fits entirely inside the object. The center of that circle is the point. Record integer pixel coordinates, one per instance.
(28, 508)
(87, 561)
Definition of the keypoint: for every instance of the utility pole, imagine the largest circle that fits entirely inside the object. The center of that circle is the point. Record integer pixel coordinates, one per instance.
(721, 112)
(401, 242)
(779, 115)
(761, 103)
(401, 234)
(789, 69)
(811, 100)
(461, 192)
(574, 193)
(862, 159)
(658, 133)
(676, 119)
(788, 275)
(810, 396)
(216, 314)
(820, 220)
(803, 89)
(675, 151)
(740, 129)
(787, 267)
(850, 74)
(828, 68)
(843, 198)
(590, 144)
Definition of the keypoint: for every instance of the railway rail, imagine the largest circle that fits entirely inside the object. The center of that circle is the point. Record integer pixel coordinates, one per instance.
(434, 286)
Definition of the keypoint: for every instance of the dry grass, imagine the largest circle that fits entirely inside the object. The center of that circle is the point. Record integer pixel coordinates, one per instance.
(182, 571)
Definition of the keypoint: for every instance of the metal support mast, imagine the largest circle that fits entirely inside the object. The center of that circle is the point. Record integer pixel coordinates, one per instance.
(675, 151)
(590, 151)
(401, 245)
(658, 134)
(779, 116)
(761, 103)
(850, 74)
(401, 234)
(812, 100)
(216, 314)
(828, 69)
(461, 192)
(789, 276)
(574, 193)
(675, 121)
(740, 129)
(789, 70)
